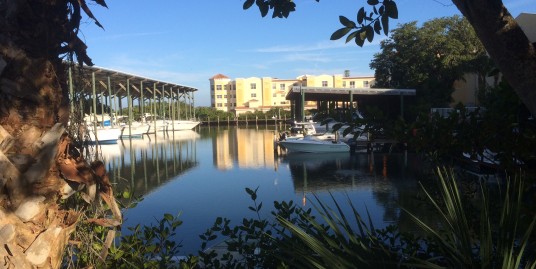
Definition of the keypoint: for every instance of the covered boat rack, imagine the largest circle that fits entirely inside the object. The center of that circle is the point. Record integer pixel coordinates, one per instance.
(111, 86)
(298, 95)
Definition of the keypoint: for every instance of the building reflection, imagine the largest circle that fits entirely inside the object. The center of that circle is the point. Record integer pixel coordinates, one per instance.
(386, 179)
(243, 148)
(142, 165)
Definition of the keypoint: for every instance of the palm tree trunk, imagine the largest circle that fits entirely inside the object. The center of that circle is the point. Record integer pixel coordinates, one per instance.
(38, 164)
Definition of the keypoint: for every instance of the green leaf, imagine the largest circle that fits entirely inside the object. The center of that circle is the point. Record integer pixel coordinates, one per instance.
(385, 24)
(126, 194)
(249, 191)
(346, 22)
(391, 9)
(351, 36)
(361, 15)
(360, 39)
(377, 27)
(373, 2)
(339, 33)
(370, 33)
(248, 4)
(264, 9)
(168, 217)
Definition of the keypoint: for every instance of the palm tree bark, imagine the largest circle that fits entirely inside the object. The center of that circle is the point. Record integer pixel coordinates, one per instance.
(506, 43)
(38, 164)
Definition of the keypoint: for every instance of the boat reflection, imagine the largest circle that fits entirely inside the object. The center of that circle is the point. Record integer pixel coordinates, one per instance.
(383, 179)
(141, 165)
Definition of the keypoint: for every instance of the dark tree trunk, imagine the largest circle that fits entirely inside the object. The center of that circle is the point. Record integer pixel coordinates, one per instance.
(506, 44)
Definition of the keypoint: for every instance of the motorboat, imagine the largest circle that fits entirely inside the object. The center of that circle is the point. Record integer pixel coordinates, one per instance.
(181, 125)
(104, 135)
(155, 123)
(312, 144)
(298, 130)
(136, 129)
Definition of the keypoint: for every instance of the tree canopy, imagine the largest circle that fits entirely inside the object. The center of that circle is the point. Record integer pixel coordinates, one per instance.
(503, 39)
(430, 58)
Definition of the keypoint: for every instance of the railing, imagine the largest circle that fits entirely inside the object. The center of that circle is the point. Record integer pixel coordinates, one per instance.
(243, 121)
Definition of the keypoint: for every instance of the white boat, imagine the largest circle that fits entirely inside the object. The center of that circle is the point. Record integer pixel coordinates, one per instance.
(313, 144)
(105, 135)
(154, 122)
(298, 130)
(161, 125)
(135, 130)
(180, 125)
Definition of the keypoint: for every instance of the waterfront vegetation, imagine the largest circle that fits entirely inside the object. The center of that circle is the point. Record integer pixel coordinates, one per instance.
(488, 228)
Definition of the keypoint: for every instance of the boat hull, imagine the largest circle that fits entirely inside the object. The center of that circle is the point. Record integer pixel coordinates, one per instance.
(301, 145)
(135, 130)
(181, 125)
(105, 135)
(161, 125)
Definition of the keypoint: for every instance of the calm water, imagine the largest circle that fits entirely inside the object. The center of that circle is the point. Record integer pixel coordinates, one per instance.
(202, 174)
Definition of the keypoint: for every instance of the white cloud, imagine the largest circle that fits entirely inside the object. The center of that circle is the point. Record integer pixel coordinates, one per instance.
(323, 45)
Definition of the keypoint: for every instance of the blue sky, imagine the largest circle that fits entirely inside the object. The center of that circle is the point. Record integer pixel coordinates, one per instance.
(187, 42)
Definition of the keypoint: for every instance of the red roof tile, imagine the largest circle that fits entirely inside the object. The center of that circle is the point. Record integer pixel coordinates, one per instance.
(219, 76)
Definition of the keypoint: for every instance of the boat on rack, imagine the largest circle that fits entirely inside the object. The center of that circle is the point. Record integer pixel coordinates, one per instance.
(312, 144)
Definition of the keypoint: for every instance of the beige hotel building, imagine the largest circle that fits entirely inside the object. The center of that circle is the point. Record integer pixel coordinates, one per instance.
(250, 94)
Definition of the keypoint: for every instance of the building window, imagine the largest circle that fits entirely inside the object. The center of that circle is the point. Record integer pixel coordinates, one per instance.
(283, 102)
(365, 84)
(282, 87)
(219, 105)
(274, 86)
(225, 96)
(274, 95)
(218, 96)
(253, 86)
(275, 103)
(324, 83)
(253, 95)
(344, 84)
(218, 87)
(352, 84)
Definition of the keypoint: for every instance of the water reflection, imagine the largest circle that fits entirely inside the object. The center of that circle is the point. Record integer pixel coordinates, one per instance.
(243, 148)
(205, 173)
(384, 176)
(141, 165)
